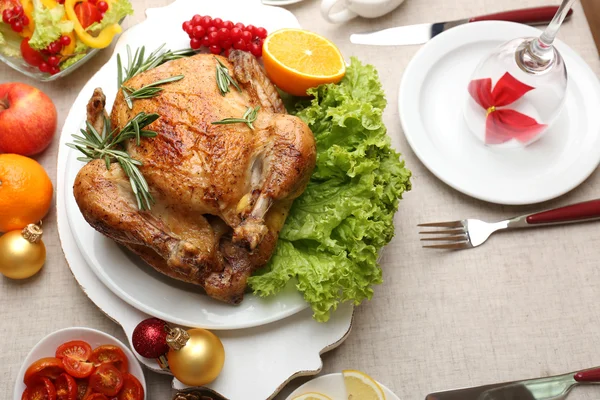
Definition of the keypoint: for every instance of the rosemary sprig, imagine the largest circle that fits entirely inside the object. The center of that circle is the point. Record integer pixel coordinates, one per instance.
(106, 145)
(248, 118)
(148, 91)
(224, 79)
(137, 63)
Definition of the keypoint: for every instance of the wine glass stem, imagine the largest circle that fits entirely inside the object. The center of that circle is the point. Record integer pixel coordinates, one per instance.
(544, 44)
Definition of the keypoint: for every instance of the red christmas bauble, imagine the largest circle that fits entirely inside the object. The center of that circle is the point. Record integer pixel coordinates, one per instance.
(150, 338)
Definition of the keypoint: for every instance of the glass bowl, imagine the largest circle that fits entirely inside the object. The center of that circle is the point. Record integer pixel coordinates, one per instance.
(20, 65)
(23, 67)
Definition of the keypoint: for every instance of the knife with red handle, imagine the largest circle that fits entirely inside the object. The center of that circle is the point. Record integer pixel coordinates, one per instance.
(530, 16)
(421, 33)
(548, 388)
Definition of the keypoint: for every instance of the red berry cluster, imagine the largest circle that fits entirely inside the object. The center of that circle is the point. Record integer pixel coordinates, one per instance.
(221, 36)
(16, 18)
(47, 60)
(52, 52)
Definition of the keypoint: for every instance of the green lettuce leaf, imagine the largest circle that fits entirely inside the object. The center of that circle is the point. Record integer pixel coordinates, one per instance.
(71, 60)
(49, 25)
(117, 10)
(10, 42)
(80, 47)
(332, 236)
(79, 52)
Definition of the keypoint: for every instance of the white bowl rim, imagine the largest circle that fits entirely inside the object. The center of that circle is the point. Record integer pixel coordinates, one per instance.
(135, 369)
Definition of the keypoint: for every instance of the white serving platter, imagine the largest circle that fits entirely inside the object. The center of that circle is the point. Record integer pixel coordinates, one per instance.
(125, 274)
(259, 360)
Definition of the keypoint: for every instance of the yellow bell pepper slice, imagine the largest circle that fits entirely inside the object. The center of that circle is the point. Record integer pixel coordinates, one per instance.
(101, 41)
(28, 11)
(70, 49)
(50, 4)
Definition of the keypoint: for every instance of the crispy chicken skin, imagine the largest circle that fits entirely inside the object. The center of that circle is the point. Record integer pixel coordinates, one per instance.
(222, 192)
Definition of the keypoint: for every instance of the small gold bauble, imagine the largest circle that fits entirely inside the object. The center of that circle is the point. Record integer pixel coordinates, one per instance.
(200, 361)
(22, 253)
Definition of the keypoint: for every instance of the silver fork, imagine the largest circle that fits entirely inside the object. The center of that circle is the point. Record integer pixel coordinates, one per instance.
(469, 233)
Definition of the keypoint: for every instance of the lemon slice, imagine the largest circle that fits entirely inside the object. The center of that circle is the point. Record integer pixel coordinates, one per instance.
(361, 386)
(312, 396)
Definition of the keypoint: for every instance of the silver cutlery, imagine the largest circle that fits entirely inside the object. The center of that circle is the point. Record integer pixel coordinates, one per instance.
(421, 33)
(548, 388)
(469, 233)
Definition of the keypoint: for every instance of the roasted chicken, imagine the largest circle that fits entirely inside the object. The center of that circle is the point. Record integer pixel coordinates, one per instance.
(222, 192)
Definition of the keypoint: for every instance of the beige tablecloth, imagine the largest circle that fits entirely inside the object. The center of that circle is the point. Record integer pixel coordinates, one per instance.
(524, 305)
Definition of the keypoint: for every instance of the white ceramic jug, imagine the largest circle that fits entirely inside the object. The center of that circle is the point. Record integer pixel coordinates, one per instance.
(353, 8)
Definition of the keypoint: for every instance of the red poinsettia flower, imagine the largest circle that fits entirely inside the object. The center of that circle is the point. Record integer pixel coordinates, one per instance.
(504, 124)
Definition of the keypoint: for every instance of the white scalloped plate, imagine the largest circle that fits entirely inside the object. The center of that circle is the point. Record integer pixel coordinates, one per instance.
(124, 273)
(259, 360)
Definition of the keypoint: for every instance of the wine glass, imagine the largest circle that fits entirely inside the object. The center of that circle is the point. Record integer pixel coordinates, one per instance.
(518, 91)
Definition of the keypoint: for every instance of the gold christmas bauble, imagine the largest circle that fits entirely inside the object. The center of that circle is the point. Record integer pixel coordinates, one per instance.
(22, 253)
(200, 360)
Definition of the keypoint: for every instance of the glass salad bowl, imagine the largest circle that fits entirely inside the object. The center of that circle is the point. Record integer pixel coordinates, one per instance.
(20, 65)
(88, 26)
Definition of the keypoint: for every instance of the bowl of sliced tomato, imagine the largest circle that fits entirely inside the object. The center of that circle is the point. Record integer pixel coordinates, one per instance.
(80, 364)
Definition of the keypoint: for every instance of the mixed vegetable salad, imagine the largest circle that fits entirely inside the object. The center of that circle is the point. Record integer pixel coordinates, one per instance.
(52, 35)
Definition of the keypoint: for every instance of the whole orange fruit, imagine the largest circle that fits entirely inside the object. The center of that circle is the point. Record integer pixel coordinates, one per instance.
(25, 192)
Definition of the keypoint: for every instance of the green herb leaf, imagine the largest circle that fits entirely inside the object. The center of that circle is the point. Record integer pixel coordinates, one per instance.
(105, 146)
(148, 91)
(224, 79)
(248, 118)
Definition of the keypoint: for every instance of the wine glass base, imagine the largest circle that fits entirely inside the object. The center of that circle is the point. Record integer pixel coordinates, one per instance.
(508, 106)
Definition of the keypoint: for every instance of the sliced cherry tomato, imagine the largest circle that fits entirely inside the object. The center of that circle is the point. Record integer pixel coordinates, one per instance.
(96, 396)
(132, 388)
(49, 367)
(110, 354)
(106, 379)
(77, 349)
(66, 387)
(83, 389)
(40, 388)
(31, 56)
(76, 368)
(87, 13)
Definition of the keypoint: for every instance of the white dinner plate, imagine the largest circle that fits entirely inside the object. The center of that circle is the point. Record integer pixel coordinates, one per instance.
(124, 273)
(332, 385)
(430, 99)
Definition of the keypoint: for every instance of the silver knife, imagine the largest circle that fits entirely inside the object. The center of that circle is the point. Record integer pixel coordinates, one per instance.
(421, 33)
(549, 388)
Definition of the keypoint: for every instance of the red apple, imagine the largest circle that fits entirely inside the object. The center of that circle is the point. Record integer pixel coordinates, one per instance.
(27, 119)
